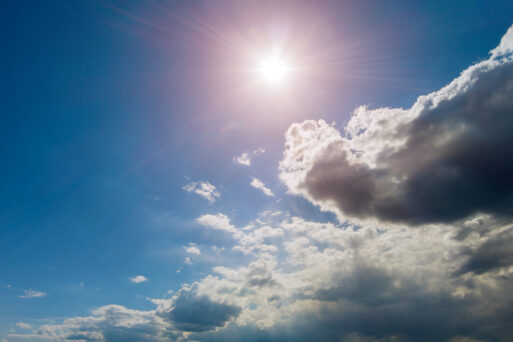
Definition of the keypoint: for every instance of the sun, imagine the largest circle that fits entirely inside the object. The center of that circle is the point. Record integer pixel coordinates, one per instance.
(274, 69)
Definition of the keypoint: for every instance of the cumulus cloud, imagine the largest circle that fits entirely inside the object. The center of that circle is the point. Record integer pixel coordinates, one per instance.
(218, 221)
(249, 239)
(138, 279)
(204, 189)
(28, 294)
(328, 282)
(109, 323)
(447, 157)
(191, 310)
(505, 46)
(258, 184)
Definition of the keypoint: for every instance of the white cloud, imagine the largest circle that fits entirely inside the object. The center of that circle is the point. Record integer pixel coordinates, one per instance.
(328, 273)
(258, 184)
(204, 189)
(27, 294)
(188, 261)
(271, 213)
(138, 279)
(192, 249)
(23, 325)
(106, 322)
(259, 151)
(243, 159)
(218, 221)
(505, 46)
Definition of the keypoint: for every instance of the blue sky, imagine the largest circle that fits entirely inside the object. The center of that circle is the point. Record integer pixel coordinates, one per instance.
(112, 111)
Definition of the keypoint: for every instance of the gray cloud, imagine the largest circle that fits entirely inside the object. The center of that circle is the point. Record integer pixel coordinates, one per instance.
(190, 311)
(447, 157)
(496, 252)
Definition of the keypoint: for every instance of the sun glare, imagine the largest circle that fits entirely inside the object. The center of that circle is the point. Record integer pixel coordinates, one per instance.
(273, 69)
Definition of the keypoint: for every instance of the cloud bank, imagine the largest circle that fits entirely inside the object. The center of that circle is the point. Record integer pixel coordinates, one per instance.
(321, 281)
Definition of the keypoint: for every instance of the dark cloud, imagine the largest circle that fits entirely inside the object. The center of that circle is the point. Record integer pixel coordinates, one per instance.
(470, 172)
(446, 158)
(193, 312)
(496, 252)
(259, 275)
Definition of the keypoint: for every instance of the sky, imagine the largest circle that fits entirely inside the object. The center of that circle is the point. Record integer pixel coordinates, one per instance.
(160, 182)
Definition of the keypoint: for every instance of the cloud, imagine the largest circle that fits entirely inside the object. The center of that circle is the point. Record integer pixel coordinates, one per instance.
(259, 151)
(243, 159)
(271, 213)
(109, 323)
(505, 47)
(447, 157)
(28, 294)
(190, 310)
(22, 325)
(138, 279)
(328, 282)
(494, 253)
(204, 189)
(258, 184)
(249, 240)
(192, 249)
(218, 221)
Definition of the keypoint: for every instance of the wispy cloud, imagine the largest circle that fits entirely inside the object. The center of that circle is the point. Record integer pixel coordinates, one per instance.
(23, 325)
(27, 294)
(204, 189)
(259, 151)
(245, 158)
(138, 279)
(258, 184)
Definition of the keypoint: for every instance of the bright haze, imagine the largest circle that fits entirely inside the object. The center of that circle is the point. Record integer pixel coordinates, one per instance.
(256, 171)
